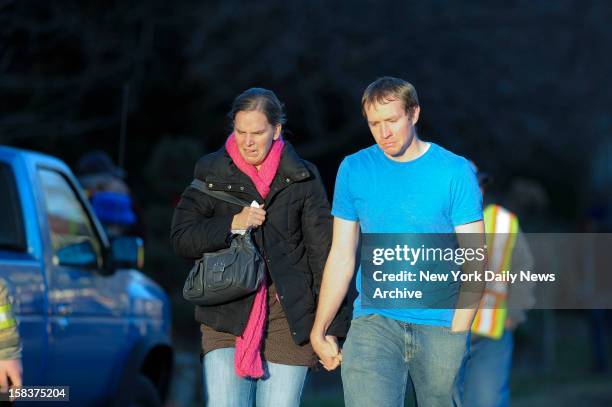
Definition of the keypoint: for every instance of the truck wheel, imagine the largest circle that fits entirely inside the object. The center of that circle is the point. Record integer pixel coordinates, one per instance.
(143, 393)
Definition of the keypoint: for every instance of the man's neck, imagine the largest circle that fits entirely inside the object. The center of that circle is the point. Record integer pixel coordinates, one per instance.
(416, 149)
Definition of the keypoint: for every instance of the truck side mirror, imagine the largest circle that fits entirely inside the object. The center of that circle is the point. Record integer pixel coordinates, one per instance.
(80, 254)
(127, 252)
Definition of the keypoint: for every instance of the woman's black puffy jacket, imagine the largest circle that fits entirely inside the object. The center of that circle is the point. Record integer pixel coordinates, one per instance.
(294, 240)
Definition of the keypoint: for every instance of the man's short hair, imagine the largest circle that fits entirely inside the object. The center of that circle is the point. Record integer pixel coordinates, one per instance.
(387, 89)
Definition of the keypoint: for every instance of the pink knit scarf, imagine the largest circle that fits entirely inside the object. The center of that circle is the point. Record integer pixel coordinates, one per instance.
(247, 359)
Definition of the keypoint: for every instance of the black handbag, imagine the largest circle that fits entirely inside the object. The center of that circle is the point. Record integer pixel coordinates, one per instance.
(227, 274)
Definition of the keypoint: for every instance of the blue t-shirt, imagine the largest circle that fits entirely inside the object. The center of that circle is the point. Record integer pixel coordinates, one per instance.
(430, 194)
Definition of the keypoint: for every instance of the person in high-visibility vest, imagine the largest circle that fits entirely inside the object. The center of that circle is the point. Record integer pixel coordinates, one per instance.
(486, 374)
(10, 344)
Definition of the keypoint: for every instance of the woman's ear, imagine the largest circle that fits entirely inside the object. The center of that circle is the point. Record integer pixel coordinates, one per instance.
(277, 131)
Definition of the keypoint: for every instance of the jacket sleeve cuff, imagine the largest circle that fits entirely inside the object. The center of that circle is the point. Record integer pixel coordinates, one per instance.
(219, 231)
(339, 326)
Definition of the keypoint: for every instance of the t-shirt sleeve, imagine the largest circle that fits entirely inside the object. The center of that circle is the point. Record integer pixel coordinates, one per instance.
(466, 198)
(344, 204)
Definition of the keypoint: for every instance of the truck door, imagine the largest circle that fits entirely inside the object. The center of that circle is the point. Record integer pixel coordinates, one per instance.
(22, 272)
(88, 325)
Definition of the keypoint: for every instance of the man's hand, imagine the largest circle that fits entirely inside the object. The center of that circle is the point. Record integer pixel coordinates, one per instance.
(326, 347)
(462, 321)
(10, 369)
(337, 275)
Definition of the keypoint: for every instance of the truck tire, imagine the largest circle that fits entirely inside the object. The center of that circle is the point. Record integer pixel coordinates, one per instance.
(143, 393)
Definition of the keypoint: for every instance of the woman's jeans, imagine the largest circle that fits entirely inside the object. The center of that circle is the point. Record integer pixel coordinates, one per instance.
(381, 353)
(281, 385)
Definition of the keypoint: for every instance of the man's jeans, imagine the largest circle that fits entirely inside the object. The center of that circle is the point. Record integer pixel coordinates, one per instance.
(380, 353)
(486, 374)
(281, 385)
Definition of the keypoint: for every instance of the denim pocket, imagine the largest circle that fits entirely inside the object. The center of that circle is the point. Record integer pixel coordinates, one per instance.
(458, 333)
(367, 317)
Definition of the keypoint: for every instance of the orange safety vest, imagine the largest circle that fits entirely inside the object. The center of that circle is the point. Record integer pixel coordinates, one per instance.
(501, 227)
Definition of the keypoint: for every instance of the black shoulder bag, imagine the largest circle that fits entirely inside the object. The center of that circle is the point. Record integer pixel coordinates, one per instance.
(227, 274)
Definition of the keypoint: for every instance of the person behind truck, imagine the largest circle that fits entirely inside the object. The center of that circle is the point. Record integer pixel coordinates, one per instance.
(109, 194)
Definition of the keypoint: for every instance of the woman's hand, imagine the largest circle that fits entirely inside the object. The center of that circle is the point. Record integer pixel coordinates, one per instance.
(249, 216)
(328, 351)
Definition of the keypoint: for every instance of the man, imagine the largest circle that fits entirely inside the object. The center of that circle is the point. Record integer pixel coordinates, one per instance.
(399, 185)
(486, 375)
(10, 344)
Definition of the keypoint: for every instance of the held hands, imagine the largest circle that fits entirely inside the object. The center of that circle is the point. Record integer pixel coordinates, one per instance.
(249, 216)
(10, 369)
(328, 351)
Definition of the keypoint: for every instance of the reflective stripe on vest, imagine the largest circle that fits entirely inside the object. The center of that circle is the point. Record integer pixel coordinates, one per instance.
(6, 317)
(501, 227)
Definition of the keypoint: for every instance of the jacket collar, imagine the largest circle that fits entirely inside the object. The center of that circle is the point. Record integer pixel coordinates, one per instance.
(291, 165)
(223, 172)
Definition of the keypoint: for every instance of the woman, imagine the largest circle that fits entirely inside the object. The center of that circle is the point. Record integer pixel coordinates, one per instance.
(256, 348)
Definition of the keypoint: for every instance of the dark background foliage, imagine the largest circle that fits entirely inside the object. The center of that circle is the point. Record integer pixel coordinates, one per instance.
(521, 87)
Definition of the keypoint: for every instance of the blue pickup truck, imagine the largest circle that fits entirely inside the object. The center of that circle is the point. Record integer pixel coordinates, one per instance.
(88, 318)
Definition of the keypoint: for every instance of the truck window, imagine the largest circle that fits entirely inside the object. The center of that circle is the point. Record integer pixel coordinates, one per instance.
(69, 224)
(12, 236)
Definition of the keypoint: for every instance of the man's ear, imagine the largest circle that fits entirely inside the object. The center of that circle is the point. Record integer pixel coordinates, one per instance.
(414, 114)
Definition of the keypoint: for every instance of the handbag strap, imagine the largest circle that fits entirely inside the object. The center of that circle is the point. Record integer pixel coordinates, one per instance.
(223, 196)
